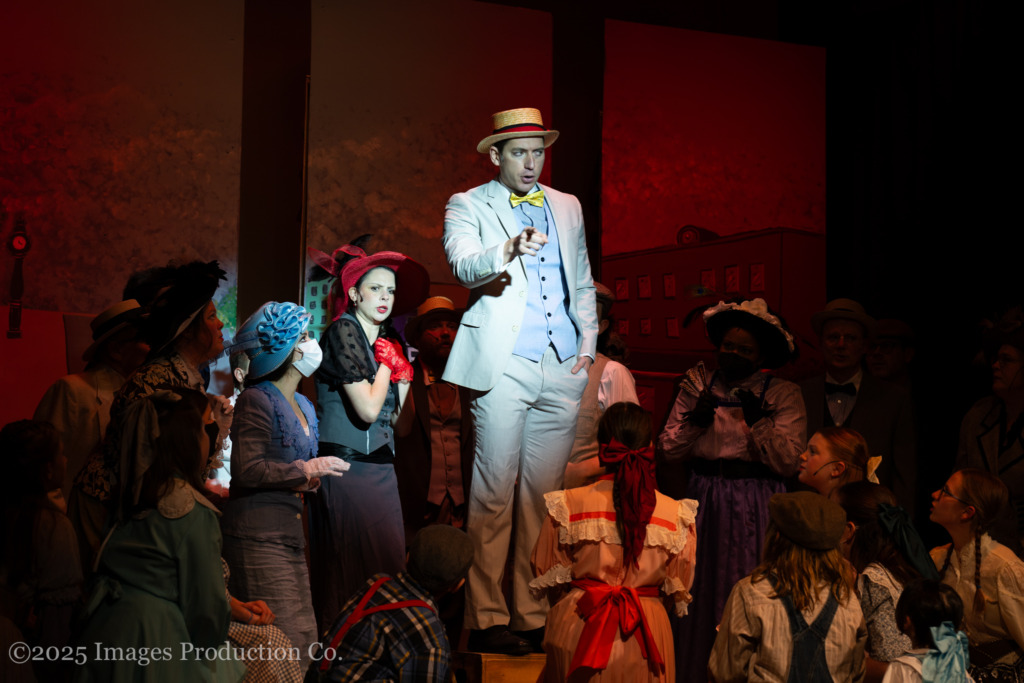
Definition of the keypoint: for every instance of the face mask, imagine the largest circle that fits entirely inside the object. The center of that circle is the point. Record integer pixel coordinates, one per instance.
(734, 366)
(311, 357)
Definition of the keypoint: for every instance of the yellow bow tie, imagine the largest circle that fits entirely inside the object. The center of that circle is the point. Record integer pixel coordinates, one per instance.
(534, 198)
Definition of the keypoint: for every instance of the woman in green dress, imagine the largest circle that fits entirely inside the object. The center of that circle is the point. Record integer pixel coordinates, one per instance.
(158, 610)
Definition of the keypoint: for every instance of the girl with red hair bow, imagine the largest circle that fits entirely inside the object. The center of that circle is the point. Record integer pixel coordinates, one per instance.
(613, 550)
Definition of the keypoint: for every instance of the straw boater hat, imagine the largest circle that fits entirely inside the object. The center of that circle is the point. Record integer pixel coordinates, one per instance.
(775, 342)
(843, 309)
(517, 123)
(121, 315)
(431, 309)
(411, 278)
(269, 336)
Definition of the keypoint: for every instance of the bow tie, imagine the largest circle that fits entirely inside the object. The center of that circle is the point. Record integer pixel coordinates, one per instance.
(534, 198)
(847, 388)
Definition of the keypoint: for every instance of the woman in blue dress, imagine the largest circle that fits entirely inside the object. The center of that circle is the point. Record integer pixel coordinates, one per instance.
(274, 465)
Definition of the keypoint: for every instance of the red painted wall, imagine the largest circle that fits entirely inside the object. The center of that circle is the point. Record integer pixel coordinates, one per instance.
(715, 131)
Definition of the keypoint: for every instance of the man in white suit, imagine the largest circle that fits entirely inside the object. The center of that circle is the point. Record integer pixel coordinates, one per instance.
(525, 344)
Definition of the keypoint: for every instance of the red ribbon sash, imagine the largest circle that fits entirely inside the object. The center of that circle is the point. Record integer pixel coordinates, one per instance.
(607, 610)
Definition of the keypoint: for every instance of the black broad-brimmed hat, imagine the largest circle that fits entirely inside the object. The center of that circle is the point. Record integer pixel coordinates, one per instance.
(192, 287)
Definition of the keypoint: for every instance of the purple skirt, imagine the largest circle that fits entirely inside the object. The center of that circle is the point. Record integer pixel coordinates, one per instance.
(731, 521)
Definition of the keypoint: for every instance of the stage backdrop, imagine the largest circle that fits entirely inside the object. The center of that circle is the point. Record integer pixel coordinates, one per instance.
(119, 141)
(714, 131)
(120, 125)
(713, 185)
(401, 93)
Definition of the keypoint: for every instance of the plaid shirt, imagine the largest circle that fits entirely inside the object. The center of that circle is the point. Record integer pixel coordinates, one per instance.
(404, 644)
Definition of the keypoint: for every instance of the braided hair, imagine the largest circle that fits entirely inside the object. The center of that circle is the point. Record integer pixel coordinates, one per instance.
(634, 499)
(988, 495)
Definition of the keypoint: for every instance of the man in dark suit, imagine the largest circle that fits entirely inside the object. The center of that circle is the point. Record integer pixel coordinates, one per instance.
(846, 396)
(436, 458)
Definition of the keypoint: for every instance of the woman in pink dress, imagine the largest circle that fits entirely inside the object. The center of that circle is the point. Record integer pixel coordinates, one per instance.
(611, 554)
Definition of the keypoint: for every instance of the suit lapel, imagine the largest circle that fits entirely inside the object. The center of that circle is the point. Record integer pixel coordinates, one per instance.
(814, 405)
(562, 223)
(988, 438)
(497, 199)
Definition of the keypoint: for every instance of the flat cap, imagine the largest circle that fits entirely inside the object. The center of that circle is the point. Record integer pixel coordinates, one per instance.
(439, 557)
(808, 519)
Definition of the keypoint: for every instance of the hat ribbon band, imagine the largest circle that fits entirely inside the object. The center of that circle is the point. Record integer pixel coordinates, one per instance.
(515, 127)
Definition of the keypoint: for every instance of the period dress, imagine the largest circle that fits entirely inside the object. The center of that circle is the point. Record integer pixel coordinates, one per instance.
(264, 539)
(94, 494)
(879, 591)
(580, 549)
(159, 596)
(734, 469)
(356, 527)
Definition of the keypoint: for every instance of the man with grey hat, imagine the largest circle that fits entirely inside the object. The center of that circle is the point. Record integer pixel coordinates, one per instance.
(847, 396)
(525, 344)
(437, 454)
(390, 630)
(78, 405)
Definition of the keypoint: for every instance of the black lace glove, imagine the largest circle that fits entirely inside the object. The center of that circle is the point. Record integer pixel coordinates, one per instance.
(753, 407)
(703, 413)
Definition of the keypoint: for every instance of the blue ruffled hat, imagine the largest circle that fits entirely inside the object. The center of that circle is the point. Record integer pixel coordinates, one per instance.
(269, 335)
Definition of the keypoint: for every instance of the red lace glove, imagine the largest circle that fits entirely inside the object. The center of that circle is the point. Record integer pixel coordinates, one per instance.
(389, 353)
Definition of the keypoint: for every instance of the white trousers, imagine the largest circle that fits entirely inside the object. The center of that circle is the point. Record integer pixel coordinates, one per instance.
(524, 431)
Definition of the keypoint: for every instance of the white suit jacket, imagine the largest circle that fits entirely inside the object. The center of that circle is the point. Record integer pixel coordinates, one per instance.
(477, 224)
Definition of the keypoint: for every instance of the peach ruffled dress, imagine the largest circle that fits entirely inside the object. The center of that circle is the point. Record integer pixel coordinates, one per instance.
(580, 540)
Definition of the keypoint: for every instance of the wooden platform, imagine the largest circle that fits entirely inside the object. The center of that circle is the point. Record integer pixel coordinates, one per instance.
(478, 667)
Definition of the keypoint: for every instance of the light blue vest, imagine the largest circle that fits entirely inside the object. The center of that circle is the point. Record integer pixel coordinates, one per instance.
(546, 320)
